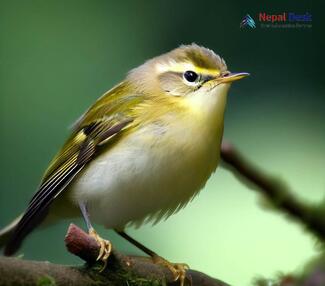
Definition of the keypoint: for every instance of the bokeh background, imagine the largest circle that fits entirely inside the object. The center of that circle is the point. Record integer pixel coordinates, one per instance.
(57, 57)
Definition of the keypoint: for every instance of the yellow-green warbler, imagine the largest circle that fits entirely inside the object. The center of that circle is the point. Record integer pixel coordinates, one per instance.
(139, 153)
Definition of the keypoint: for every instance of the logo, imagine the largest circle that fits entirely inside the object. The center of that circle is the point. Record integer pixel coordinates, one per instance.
(284, 17)
(277, 20)
(248, 21)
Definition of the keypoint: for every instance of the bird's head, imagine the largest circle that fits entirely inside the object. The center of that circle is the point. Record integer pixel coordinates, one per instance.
(185, 71)
(193, 77)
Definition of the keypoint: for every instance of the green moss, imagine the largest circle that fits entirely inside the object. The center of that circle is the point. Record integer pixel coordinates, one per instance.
(46, 281)
(132, 280)
(119, 276)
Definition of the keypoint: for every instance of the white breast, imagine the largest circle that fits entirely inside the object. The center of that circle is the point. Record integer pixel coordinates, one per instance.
(153, 172)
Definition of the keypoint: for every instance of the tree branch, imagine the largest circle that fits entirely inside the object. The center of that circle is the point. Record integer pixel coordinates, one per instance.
(277, 193)
(120, 270)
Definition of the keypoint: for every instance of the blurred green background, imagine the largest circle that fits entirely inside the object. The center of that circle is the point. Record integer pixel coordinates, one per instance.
(57, 57)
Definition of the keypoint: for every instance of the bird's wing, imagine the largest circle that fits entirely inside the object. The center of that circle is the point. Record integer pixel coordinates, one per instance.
(91, 132)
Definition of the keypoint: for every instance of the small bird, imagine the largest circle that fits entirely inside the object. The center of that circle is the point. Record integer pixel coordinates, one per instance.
(139, 154)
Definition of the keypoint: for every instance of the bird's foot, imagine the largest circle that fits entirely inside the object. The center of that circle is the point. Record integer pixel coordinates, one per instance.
(178, 269)
(105, 248)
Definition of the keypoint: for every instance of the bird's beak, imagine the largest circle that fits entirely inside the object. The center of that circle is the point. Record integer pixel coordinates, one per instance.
(230, 77)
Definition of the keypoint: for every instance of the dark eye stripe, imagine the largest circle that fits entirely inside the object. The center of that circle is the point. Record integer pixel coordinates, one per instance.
(206, 78)
(202, 77)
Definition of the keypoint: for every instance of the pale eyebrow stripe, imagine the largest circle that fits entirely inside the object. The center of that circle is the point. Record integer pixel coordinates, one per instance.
(181, 67)
(203, 71)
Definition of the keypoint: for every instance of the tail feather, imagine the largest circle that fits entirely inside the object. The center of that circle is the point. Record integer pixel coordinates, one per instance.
(7, 231)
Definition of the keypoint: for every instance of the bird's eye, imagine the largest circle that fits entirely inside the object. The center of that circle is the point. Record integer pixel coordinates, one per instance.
(190, 76)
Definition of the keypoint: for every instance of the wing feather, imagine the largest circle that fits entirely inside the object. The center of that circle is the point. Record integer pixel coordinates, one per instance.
(80, 148)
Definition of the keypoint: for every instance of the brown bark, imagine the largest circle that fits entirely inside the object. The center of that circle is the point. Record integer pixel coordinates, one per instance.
(120, 270)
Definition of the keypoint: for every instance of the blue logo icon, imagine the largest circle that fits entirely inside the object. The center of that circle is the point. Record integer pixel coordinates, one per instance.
(248, 21)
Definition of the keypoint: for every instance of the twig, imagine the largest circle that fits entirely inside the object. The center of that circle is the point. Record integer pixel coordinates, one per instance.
(277, 193)
(81, 244)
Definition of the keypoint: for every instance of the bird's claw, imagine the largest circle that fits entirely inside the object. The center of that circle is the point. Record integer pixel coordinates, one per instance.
(178, 269)
(104, 250)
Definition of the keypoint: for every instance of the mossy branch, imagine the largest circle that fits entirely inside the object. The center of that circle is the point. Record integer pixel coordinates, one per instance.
(120, 270)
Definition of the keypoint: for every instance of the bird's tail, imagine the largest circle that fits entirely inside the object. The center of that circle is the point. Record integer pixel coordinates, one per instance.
(7, 231)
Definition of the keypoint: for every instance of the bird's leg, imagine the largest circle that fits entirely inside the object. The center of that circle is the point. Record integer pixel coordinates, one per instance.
(178, 269)
(105, 245)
